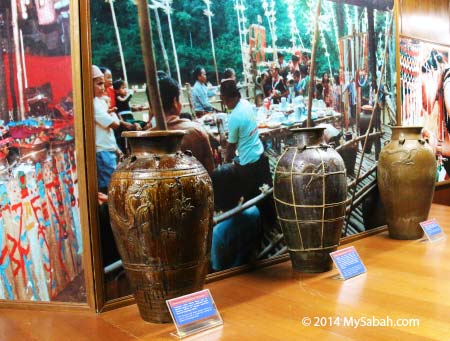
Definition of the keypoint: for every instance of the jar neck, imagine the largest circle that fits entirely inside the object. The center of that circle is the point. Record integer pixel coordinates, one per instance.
(408, 133)
(308, 136)
(154, 142)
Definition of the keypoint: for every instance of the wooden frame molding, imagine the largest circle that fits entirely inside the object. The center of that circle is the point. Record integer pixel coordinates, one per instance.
(77, 24)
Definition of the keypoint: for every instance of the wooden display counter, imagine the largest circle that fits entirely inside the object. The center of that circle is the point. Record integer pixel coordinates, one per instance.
(404, 280)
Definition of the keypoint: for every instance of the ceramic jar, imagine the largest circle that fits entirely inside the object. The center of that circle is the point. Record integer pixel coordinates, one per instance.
(406, 175)
(310, 192)
(161, 209)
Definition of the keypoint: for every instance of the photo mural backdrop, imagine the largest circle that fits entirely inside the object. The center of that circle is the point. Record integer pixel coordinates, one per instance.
(40, 232)
(422, 67)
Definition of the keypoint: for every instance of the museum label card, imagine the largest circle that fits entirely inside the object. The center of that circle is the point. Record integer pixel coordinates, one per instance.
(348, 262)
(432, 230)
(194, 313)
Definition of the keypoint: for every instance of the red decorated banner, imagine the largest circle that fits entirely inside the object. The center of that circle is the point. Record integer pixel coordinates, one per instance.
(53, 70)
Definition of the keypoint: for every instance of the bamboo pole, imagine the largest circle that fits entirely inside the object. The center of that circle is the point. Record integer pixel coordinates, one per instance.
(397, 61)
(237, 7)
(15, 26)
(119, 42)
(313, 64)
(161, 41)
(369, 128)
(209, 14)
(4, 114)
(175, 56)
(22, 57)
(150, 65)
(12, 83)
(372, 43)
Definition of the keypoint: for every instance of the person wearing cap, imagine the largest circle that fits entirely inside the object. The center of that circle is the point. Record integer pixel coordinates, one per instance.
(201, 93)
(246, 165)
(107, 150)
(277, 87)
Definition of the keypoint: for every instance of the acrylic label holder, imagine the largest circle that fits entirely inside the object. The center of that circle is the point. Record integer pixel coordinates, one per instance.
(432, 230)
(348, 262)
(194, 313)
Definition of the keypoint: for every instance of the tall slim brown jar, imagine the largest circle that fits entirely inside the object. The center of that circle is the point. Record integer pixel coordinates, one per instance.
(406, 174)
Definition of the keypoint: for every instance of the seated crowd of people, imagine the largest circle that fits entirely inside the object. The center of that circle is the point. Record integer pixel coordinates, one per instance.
(292, 79)
(245, 170)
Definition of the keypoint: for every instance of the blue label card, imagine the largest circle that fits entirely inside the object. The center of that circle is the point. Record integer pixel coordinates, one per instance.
(348, 262)
(194, 313)
(432, 230)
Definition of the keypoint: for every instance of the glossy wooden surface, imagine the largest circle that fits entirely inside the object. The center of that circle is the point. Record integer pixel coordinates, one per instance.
(405, 279)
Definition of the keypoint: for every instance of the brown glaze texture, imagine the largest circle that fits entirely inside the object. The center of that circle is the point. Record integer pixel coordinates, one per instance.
(161, 208)
(406, 175)
(310, 189)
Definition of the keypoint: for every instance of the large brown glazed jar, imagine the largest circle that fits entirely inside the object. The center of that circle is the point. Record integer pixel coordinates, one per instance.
(161, 208)
(406, 174)
(310, 190)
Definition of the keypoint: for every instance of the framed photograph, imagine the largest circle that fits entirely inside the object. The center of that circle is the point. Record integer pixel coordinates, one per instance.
(44, 231)
(423, 66)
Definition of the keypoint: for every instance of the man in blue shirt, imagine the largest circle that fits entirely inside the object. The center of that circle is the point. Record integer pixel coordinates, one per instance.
(249, 169)
(242, 128)
(201, 93)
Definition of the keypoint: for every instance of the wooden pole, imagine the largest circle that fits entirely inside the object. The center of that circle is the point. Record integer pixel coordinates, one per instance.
(237, 7)
(209, 15)
(161, 41)
(167, 9)
(22, 58)
(372, 43)
(15, 27)
(119, 42)
(397, 61)
(313, 64)
(12, 83)
(150, 65)
(4, 114)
